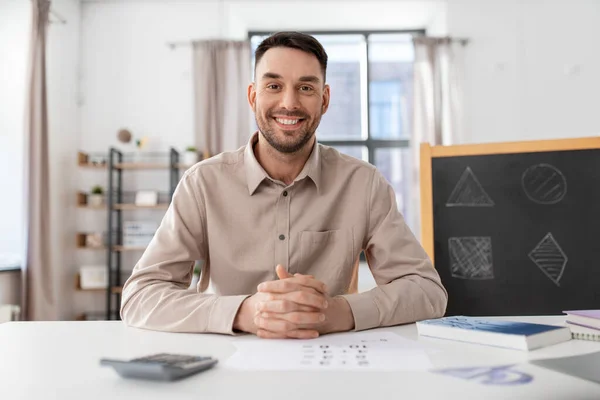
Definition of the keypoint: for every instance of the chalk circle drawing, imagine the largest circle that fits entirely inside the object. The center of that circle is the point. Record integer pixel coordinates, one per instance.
(471, 257)
(544, 184)
(549, 258)
(501, 375)
(468, 192)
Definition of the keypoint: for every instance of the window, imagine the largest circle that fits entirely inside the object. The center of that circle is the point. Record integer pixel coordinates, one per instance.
(369, 117)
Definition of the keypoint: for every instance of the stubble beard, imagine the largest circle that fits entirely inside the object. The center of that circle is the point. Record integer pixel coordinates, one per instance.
(302, 135)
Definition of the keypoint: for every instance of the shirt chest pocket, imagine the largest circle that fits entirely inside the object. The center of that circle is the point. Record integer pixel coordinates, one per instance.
(328, 255)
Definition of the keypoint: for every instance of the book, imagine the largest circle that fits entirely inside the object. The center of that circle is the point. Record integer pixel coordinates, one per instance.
(582, 333)
(587, 318)
(494, 332)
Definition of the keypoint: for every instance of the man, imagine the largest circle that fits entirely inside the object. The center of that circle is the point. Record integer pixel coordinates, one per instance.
(280, 224)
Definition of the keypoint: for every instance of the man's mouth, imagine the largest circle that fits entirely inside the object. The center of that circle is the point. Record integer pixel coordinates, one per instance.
(289, 122)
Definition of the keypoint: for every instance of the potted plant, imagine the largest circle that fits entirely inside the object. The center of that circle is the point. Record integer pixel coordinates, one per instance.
(96, 197)
(190, 157)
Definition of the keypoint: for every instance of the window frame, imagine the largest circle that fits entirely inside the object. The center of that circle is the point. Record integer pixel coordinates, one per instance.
(371, 144)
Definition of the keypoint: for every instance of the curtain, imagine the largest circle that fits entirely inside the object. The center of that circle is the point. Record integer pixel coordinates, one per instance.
(38, 294)
(438, 103)
(221, 77)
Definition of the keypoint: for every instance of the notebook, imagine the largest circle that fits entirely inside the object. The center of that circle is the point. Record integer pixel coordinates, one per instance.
(587, 318)
(583, 333)
(494, 332)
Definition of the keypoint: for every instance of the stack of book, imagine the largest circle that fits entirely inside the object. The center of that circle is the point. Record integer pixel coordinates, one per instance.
(584, 324)
(494, 332)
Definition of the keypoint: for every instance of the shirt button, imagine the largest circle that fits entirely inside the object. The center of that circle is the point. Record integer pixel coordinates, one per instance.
(284, 193)
(281, 237)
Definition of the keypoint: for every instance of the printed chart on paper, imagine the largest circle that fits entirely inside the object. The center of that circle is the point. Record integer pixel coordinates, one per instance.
(346, 351)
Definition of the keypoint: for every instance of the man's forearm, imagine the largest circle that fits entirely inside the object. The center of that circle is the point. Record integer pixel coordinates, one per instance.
(402, 301)
(167, 307)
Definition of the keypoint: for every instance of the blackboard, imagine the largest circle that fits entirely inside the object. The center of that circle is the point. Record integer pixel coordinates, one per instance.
(517, 233)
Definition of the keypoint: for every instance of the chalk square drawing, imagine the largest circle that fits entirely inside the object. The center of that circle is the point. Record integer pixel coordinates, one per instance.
(549, 258)
(468, 192)
(544, 184)
(471, 257)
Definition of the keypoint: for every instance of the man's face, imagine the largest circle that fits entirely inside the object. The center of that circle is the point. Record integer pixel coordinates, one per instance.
(288, 98)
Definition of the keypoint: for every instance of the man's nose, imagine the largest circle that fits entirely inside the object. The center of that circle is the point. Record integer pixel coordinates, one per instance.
(290, 99)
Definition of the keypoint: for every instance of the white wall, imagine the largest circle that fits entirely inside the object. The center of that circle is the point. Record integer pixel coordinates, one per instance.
(268, 15)
(14, 37)
(532, 67)
(130, 78)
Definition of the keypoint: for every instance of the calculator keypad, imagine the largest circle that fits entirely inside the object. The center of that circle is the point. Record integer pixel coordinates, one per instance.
(174, 360)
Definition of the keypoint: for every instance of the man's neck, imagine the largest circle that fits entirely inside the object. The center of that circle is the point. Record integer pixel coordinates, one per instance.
(281, 166)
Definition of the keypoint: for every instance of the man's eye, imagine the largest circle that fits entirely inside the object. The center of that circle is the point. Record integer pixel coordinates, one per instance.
(306, 88)
(273, 86)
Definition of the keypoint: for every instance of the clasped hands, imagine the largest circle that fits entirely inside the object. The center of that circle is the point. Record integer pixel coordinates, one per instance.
(295, 306)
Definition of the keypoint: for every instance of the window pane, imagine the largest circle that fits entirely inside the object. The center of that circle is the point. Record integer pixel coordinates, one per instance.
(343, 119)
(391, 59)
(359, 152)
(395, 165)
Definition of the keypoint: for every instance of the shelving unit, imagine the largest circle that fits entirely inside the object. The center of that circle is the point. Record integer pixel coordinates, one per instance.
(118, 201)
(130, 207)
(94, 161)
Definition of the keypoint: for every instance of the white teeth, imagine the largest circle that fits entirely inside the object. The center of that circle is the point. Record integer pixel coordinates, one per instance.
(286, 121)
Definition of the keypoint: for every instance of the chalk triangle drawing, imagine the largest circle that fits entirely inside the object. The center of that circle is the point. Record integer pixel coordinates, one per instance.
(549, 258)
(468, 192)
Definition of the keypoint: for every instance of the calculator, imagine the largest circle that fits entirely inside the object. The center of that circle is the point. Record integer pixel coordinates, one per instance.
(160, 367)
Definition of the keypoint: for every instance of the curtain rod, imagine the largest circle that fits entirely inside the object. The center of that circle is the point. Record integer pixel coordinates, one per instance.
(60, 20)
(173, 45)
(463, 41)
(185, 43)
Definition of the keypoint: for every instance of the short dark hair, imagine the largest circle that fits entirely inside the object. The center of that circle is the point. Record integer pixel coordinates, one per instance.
(293, 40)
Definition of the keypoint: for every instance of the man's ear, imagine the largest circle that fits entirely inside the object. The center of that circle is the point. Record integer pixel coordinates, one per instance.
(326, 96)
(252, 95)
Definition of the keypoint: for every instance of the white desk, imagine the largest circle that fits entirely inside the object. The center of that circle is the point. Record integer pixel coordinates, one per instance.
(59, 360)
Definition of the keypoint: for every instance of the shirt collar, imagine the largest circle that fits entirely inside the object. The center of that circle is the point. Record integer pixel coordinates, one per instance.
(255, 173)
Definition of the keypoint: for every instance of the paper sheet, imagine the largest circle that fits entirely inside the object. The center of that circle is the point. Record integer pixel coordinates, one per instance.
(345, 351)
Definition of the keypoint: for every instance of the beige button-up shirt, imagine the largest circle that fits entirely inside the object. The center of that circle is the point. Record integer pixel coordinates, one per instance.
(227, 212)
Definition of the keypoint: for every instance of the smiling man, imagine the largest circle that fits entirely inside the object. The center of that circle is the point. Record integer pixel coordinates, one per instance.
(279, 225)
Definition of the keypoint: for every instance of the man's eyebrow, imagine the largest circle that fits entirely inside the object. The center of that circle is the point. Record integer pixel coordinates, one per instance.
(308, 78)
(271, 75)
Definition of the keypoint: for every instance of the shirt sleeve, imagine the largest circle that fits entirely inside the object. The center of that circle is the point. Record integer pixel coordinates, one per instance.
(408, 288)
(156, 296)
